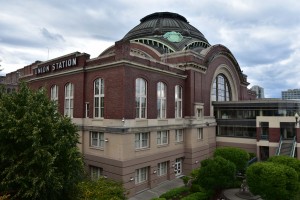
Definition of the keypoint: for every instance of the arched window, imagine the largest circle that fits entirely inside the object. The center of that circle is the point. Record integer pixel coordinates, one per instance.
(99, 98)
(161, 100)
(54, 94)
(221, 89)
(178, 101)
(69, 99)
(140, 98)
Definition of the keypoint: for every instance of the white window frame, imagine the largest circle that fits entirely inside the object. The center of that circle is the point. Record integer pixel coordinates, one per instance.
(87, 109)
(200, 133)
(69, 100)
(179, 135)
(141, 175)
(96, 172)
(162, 137)
(142, 140)
(161, 100)
(141, 98)
(54, 94)
(162, 168)
(178, 101)
(96, 139)
(99, 98)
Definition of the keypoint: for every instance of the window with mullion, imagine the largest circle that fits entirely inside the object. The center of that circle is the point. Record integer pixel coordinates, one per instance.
(178, 101)
(161, 100)
(221, 89)
(140, 98)
(141, 140)
(179, 135)
(162, 168)
(97, 139)
(54, 93)
(99, 98)
(141, 175)
(162, 137)
(69, 92)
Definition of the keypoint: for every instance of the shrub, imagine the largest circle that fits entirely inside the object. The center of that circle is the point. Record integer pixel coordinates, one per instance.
(174, 193)
(287, 161)
(196, 196)
(272, 181)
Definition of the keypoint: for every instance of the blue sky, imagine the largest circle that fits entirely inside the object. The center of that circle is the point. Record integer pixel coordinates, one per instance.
(264, 36)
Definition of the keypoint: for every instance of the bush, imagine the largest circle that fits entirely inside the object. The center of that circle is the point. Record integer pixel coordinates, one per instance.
(287, 161)
(196, 196)
(239, 157)
(272, 181)
(175, 193)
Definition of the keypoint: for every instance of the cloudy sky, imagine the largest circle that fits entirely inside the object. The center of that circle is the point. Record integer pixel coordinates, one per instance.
(263, 35)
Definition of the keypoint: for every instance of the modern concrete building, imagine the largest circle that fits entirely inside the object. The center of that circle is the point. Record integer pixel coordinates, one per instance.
(144, 106)
(260, 94)
(291, 94)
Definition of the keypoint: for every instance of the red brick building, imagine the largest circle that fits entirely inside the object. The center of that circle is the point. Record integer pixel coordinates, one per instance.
(144, 106)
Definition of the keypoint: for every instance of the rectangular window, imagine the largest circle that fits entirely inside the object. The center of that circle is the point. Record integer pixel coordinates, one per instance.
(200, 133)
(54, 94)
(162, 137)
(97, 139)
(87, 109)
(141, 175)
(162, 168)
(96, 172)
(69, 96)
(99, 98)
(141, 140)
(179, 135)
(178, 101)
(140, 98)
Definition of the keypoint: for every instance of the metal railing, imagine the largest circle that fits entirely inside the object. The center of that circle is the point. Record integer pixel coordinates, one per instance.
(293, 147)
(279, 147)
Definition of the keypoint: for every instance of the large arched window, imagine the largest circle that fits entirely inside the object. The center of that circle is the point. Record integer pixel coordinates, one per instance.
(161, 100)
(140, 98)
(99, 98)
(221, 89)
(69, 99)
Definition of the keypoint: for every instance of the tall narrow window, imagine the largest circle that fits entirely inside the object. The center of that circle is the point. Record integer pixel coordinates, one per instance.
(179, 135)
(54, 94)
(162, 168)
(99, 98)
(161, 100)
(178, 101)
(69, 96)
(140, 98)
(96, 172)
(221, 89)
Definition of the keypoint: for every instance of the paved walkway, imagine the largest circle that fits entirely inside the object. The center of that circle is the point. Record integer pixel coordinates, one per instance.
(159, 190)
(232, 194)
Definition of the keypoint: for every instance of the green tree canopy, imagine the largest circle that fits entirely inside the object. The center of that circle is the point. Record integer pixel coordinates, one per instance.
(272, 181)
(238, 156)
(39, 158)
(216, 174)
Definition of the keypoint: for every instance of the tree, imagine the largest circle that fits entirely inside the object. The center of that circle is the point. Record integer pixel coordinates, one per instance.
(100, 189)
(272, 181)
(39, 158)
(238, 156)
(216, 174)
